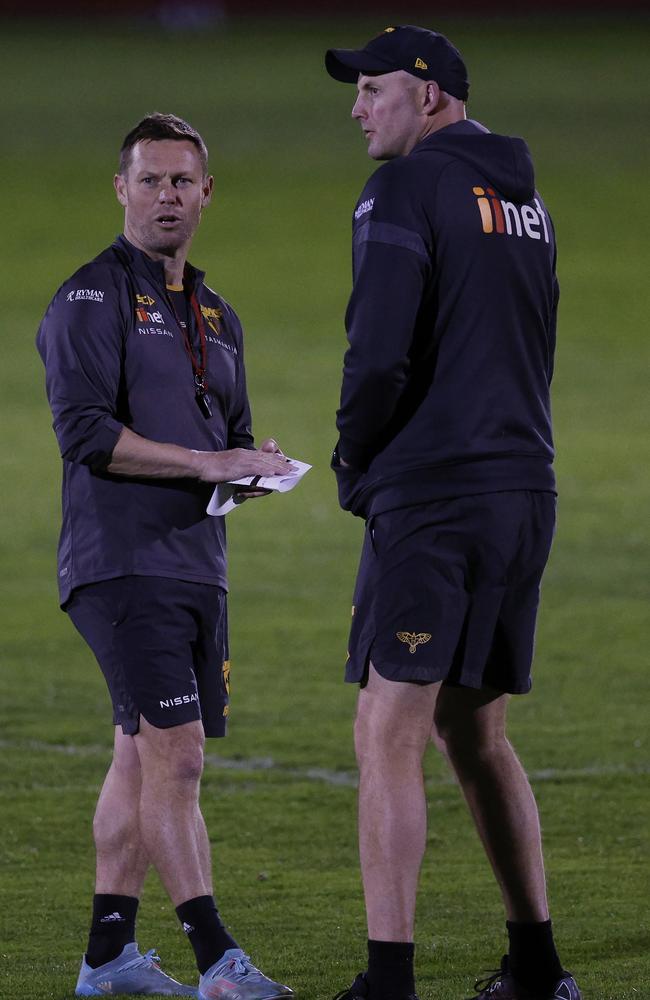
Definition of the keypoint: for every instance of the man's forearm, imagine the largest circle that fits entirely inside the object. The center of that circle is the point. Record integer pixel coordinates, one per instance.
(137, 456)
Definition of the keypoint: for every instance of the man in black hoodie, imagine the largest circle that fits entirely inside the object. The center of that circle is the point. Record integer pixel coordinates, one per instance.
(445, 449)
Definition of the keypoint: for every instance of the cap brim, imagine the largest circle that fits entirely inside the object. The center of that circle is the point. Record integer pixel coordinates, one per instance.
(346, 64)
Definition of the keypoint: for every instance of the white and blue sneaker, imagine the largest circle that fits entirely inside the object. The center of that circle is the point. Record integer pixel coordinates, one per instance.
(130, 973)
(234, 977)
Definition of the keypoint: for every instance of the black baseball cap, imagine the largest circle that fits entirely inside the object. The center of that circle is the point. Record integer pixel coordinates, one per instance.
(426, 54)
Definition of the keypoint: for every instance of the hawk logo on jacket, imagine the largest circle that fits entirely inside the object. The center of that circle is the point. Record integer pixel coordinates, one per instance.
(414, 639)
(498, 216)
(145, 300)
(212, 317)
(85, 295)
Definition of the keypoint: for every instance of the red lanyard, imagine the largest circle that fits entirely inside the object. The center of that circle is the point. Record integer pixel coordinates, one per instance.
(199, 367)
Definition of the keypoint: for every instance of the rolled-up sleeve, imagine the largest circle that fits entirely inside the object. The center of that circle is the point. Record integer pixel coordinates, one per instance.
(81, 342)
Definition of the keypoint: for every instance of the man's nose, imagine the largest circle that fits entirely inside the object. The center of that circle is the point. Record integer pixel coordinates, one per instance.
(358, 110)
(167, 193)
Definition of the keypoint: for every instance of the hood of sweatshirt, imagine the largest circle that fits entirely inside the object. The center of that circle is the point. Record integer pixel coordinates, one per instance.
(505, 160)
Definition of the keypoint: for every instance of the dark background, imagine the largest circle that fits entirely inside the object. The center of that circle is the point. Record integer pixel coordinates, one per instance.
(209, 9)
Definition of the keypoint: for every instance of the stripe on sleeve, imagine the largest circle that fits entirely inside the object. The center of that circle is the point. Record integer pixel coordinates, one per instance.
(388, 232)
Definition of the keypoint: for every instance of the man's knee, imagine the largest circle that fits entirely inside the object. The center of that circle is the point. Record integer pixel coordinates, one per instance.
(393, 719)
(470, 724)
(187, 763)
(175, 753)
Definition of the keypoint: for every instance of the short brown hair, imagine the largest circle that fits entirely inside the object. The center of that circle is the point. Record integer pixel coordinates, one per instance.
(158, 126)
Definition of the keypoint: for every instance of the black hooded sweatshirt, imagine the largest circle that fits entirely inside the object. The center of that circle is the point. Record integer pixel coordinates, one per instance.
(451, 327)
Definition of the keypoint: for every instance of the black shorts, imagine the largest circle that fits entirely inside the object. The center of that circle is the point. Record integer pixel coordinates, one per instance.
(448, 591)
(162, 646)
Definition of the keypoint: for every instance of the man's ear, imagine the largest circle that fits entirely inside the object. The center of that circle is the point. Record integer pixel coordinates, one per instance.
(432, 98)
(119, 184)
(207, 189)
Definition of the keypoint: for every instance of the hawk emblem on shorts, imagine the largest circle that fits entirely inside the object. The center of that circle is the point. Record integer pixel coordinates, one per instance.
(414, 639)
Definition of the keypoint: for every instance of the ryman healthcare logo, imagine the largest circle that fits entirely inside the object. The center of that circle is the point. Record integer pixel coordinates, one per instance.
(505, 217)
(85, 295)
(365, 206)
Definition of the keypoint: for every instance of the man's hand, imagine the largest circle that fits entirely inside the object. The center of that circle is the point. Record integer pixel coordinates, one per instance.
(271, 446)
(227, 466)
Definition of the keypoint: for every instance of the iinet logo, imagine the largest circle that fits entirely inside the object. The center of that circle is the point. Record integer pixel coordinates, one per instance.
(150, 317)
(505, 217)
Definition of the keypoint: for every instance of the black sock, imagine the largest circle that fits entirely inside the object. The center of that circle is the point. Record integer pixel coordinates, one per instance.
(208, 936)
(113, 926)
(390, 970)
(533, 960)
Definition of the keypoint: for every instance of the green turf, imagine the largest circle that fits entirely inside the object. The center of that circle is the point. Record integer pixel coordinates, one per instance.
(289, 165)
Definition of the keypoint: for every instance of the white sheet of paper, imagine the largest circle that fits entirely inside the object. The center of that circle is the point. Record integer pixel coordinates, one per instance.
(223, 499)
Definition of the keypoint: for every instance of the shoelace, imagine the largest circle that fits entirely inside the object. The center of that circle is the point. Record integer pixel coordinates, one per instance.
(487, 984)
(348, 994)
(238, 964)
(146, 960)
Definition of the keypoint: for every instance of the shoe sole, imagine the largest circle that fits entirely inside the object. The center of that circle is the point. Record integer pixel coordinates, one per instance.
(269, 996)
(90, 991)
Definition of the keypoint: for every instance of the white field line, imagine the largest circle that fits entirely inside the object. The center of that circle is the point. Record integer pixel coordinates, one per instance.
(329, 777)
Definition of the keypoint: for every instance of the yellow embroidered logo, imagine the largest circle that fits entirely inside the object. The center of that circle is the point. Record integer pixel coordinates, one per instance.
(144, 300)
(212, 316)
(388, 30)
(225, 670)
(420, 64)
(414, 639)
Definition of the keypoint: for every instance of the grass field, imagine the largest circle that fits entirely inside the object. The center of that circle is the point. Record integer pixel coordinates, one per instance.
(278, 793)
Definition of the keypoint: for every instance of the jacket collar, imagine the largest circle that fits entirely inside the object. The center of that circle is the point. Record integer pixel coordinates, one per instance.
(154, 270)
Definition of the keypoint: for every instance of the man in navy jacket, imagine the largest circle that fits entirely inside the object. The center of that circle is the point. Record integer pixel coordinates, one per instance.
(145, 377)
(445, 449)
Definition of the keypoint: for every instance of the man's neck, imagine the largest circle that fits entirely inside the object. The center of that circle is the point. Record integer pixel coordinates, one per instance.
(174, 266)
(447, 116)
(174, 270)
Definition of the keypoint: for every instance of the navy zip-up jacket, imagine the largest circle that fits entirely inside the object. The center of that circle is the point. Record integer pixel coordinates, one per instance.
(115, 357)
(451, 327)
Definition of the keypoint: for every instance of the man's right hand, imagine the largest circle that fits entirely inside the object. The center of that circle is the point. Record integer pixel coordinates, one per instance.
(228, 466)
(137, 456)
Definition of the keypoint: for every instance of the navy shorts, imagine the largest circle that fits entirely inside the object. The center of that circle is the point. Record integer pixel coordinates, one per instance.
(448, 591)
(162, 646)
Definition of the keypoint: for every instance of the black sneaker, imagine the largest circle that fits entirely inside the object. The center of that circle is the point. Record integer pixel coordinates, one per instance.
(502, 986)
(361, 991)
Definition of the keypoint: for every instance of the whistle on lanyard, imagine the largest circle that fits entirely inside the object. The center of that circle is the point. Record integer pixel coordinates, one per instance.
(202, 395)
